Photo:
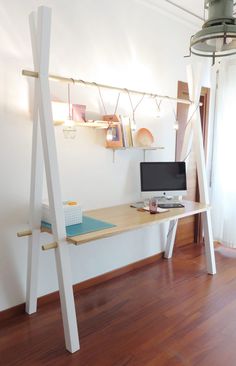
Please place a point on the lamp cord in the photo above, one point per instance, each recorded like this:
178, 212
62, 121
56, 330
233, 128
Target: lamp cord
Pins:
158, 104
102, 100
69, 104
117, 103
173, 110
131, 103
185, 158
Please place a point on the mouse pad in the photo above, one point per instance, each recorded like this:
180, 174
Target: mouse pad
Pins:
87, 226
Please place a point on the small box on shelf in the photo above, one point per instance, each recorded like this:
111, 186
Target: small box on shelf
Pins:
72, 212
114, 136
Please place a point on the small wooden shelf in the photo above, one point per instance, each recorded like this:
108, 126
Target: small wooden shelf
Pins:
142, 148
137, 148
96, 124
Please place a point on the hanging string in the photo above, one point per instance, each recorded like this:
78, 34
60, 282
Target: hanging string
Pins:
117, 103
195, 110
69, 104
158, 104
103, 103
134, 108
101, 98
175, 115
186, 157
110, 122
189, 120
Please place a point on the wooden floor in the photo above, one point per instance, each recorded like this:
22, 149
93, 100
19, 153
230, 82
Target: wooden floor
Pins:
169, 313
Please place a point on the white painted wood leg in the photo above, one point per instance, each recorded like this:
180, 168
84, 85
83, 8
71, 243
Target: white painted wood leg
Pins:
209, 243
36, 189
32, 273
34, 220
40, 37
67, 297
171, 238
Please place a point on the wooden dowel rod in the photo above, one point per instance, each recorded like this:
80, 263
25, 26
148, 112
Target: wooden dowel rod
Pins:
24, 233
49, 246
35, 74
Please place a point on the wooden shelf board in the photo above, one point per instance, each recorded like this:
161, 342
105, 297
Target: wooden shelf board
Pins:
95, 124
99, 125
137, 148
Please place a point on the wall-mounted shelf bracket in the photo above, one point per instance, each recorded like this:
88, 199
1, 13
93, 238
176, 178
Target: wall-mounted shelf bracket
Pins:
143, 148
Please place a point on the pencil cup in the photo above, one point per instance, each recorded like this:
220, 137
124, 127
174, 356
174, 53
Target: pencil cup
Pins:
153, 203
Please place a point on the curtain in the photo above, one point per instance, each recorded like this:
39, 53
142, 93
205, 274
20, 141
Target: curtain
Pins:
223, 181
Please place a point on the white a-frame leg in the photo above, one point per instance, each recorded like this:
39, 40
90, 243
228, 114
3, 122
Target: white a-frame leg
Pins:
44, 154
193, 137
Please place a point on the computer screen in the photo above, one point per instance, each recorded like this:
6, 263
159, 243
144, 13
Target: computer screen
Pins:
163, 178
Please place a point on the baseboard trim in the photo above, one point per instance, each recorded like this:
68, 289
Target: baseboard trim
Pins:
116, 272
54, 296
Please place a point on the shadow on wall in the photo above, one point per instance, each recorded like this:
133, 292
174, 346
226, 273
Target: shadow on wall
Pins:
13, 259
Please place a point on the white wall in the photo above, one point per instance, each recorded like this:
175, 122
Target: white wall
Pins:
126, 43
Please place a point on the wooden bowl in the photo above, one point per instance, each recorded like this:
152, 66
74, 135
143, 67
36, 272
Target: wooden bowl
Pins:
144, 137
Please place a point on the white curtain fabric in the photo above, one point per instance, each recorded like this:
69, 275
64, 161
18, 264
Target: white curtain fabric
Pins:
223, 186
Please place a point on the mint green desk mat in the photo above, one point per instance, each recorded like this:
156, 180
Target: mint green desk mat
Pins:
87, 226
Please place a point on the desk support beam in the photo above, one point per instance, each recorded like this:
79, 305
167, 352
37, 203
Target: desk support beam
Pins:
171, 238
209, 243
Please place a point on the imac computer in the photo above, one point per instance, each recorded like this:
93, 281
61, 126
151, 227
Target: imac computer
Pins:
164, 180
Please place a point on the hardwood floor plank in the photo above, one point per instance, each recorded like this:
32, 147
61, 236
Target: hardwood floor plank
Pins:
168, 313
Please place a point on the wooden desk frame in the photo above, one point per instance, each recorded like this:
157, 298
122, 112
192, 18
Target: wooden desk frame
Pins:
44, 153
126, 218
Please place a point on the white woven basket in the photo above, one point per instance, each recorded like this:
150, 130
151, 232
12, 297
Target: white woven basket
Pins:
73, 214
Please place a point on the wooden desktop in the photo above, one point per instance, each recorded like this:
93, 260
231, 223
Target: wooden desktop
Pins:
126, 218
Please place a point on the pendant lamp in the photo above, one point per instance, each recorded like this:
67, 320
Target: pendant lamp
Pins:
217, 38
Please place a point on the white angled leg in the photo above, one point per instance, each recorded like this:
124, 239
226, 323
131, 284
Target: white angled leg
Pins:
188, 138
32, 275
200, 159
170, 238
185, 151
209, 244
58, 224
53, 185
204, 196
67, 297
35, 220
194, 81
36, 189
